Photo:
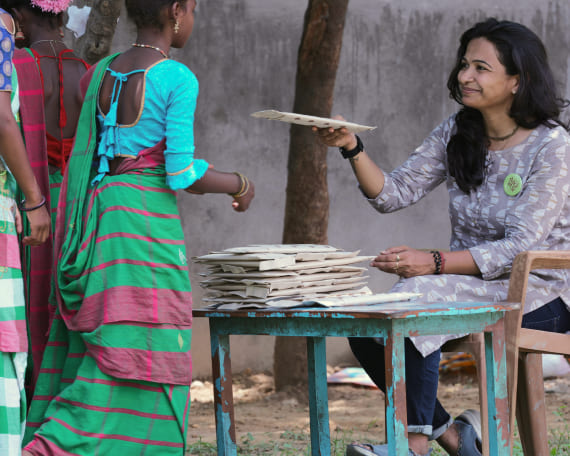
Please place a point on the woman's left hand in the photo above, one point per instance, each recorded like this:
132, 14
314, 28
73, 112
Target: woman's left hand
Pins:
404, 261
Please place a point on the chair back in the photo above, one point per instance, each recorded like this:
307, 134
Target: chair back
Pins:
523, 264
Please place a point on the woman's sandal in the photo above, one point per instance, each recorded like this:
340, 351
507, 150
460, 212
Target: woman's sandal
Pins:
367, 449
469, 428
362, 449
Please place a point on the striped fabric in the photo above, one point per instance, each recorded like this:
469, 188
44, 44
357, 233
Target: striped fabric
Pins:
55, 181
120, 343
87, 412
37, 261
12, 402
56, 147
13, 336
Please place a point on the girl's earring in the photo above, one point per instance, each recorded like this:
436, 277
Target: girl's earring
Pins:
61, 33
19, 35
176, 26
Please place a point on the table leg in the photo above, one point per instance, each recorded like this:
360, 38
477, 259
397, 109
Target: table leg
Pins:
223, 394
318, 396
396, 412
497, 392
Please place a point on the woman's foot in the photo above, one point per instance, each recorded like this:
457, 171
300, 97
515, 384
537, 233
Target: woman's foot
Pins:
367, 449
463, 437
472, 417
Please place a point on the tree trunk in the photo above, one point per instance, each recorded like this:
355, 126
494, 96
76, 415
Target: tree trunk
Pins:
96, 42
307, 203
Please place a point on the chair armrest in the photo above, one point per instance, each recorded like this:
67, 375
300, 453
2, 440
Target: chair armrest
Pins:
534, 341
528, 261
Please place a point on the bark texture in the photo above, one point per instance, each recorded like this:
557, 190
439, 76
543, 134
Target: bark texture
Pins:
307, 198
96, 42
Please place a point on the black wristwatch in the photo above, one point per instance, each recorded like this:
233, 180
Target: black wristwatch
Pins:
352, 152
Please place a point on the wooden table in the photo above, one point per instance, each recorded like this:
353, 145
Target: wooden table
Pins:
391, 322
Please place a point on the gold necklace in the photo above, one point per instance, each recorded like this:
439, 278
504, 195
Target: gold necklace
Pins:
504, 138
148, 46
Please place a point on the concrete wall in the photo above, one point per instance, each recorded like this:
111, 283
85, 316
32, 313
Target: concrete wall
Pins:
393, 70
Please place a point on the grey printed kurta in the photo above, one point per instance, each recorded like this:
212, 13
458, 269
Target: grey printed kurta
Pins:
492, 225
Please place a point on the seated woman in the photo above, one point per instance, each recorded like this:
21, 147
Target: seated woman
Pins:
504, 158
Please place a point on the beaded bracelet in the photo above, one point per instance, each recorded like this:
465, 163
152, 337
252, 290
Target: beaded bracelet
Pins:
244, 186
436, 260
23, 208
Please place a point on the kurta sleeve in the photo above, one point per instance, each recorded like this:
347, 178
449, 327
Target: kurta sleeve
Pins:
423, 171
7, 52
541, 207
182, 169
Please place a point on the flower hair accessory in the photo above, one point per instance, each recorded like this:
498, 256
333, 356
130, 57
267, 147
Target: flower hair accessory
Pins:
51, 6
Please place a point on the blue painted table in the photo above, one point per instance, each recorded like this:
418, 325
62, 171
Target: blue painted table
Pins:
391, 322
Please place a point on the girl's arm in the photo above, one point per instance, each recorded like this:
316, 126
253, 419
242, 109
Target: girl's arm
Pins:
14, 153
234, 184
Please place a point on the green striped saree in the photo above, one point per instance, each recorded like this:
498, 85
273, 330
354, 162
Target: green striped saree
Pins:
115, 377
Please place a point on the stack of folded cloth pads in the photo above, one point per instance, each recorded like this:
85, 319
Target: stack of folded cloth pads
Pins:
282, 275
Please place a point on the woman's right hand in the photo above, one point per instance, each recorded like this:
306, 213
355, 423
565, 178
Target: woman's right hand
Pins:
241, 203
340, 137
40, 225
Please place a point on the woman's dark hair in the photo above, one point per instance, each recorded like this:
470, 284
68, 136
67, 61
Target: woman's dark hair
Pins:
53, 19
535, 103
146, 13
19, 4
9, 4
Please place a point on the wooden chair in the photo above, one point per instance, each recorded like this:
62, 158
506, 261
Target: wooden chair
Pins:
527, 346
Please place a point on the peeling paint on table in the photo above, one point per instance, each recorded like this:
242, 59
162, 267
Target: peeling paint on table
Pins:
392, 322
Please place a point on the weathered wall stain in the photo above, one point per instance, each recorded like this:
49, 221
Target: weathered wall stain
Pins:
393, 72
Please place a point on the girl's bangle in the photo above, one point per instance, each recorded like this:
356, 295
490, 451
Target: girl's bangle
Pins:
244, 186
23, 208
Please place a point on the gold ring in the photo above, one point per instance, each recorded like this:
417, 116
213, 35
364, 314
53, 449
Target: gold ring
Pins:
397, 258
396, 268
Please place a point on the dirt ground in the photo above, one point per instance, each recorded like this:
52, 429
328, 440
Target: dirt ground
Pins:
263, 414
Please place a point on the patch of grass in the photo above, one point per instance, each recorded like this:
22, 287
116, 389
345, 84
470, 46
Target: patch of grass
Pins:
296, 443
202, 448
560, 439
290, 443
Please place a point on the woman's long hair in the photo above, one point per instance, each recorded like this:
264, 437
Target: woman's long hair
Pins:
535, 103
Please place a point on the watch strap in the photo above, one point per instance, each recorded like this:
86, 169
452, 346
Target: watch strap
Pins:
352, 152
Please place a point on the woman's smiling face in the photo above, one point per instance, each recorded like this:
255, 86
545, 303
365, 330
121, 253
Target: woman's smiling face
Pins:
483, 79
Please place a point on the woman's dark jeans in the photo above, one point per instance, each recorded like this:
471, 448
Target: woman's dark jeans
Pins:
425, 413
